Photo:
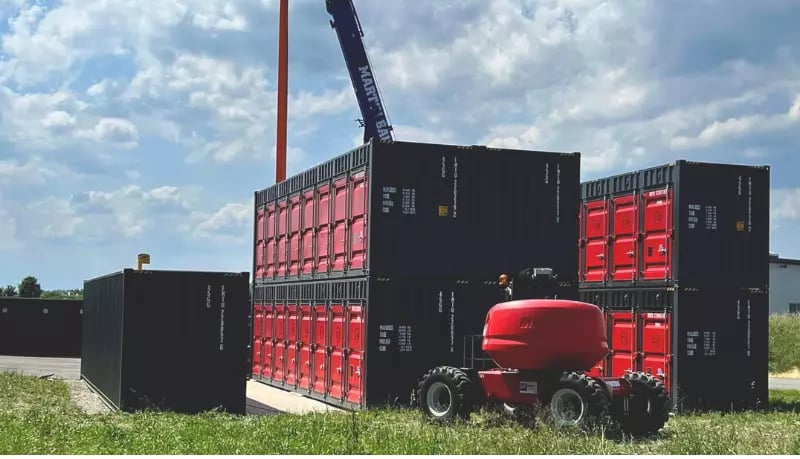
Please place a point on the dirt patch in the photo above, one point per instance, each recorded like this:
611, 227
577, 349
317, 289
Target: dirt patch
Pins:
86, 400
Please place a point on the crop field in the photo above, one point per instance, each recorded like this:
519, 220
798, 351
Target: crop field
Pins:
38, 417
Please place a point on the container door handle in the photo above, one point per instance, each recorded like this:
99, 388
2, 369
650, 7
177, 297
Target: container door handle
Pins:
600, 256
338, 369
629, 253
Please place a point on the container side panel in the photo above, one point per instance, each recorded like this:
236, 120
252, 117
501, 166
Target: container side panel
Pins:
39, 327
186, 340
101, 351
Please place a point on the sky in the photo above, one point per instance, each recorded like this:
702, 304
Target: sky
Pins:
131, 126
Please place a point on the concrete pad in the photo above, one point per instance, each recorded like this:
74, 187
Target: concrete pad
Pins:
264, 399
784, 383
58, 367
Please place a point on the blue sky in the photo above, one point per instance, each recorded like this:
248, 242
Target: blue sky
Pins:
135, 126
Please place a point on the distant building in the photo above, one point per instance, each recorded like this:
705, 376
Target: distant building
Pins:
784, 285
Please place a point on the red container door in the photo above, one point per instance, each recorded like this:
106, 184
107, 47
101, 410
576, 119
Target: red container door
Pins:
337, 326
304, 368
657, 235
291, 364
279, 374
624, 245
269, 341
323, 229
656, 345
355, 347
280, 323
258, 338
294, 236
283, 222
358, 231
269, 359
319, 377
307, 236
623, 342
339, 225
291, 323
596, 233
271, 244
336, 389
260, 244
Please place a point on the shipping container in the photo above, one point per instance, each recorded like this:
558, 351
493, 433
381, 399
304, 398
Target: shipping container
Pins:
362, 342
169, 340
684, 223
40, 327
392, 209
709, 346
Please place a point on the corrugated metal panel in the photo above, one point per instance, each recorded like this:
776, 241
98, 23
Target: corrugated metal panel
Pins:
40, 327
697, 223
412, 209
168, 339
710, 345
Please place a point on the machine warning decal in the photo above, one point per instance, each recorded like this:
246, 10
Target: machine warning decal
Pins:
443, 211
613, 383
528, 387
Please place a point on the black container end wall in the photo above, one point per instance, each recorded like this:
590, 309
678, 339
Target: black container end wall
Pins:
168, 339
40, 327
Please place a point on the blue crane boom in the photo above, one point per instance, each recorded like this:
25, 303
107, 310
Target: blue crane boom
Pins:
348, 29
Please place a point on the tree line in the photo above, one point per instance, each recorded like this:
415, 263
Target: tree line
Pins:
30, 288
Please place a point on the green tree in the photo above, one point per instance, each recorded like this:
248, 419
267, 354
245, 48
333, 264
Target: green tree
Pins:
10, 290
30, 288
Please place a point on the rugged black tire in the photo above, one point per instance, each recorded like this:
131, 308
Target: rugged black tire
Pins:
648, 407
596, 404
454, 384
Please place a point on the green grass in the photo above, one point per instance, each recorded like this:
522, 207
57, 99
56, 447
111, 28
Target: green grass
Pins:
784, 336
37, 417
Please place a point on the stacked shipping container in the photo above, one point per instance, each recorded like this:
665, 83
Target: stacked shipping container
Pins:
372, 267
677, 255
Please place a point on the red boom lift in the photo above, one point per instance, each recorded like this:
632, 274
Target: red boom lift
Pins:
542, 347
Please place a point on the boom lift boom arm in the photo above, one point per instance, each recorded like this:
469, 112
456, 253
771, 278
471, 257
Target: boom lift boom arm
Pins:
348, 29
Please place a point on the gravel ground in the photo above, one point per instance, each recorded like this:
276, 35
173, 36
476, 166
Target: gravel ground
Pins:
87, 400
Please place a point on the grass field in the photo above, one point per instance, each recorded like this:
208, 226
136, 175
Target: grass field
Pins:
38, 417
784, 352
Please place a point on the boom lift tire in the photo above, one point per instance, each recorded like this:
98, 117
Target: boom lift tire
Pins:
446, 394
579, 401
648, 406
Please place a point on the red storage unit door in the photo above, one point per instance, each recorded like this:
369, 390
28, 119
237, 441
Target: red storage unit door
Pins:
336, 389
624, 239
291, 364
283, 267
358, 226
323, 229
258, 336
355, 328
269, 359
279, 373
291, 323
321, 326
339, 225
355, 377
270, 268
658, 230
306, 324
294, 236
337, 326
596, 233
320, 374
283, 218
260, 244
623, 342
656, 345
304, 367
269, 322
307, 234
280, 323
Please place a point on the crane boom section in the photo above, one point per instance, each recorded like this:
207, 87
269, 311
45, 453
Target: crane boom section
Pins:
348, 30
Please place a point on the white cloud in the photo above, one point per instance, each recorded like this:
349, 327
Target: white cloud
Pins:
230, 221
785, 204
113, 130
8, 230
62, 220
34, 171
58, 119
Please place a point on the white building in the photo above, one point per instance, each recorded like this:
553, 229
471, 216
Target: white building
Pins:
784, 285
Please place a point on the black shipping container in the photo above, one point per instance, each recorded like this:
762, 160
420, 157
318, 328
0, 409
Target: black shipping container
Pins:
172, 340
365, 342
392, 209
40, 327
709, 344
686, 223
